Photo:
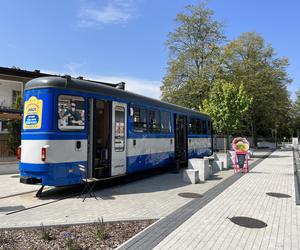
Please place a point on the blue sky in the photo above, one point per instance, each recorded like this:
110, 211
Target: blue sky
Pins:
124, 40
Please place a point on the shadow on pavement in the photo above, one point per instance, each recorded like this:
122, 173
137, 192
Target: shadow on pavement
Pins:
11, 208
106, 189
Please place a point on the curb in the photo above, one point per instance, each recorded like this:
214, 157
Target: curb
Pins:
296, 177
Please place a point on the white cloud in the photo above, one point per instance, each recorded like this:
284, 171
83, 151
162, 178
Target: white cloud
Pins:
139, 86
114, 11
145, 87
72, 68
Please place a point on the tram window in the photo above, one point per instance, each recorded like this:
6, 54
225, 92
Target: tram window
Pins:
200, 127
192, 126
139, 119
71, 113
119, 129
154, 122
165, 122
204, 127
197, 126
209, 127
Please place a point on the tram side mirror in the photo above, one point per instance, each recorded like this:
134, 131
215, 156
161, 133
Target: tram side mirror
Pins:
78, 144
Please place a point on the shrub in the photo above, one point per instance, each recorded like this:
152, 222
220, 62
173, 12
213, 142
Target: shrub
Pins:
100, 229
45, 234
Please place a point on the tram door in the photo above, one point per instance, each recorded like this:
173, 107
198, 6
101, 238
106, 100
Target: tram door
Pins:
180, 138
100, 138
119, 136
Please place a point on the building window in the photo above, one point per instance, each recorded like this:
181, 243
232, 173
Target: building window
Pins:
3, 126
15, 95
139, 119
71, 113
154, 122
165, 122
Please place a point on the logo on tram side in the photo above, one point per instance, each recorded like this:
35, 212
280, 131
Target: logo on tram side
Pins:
33, 113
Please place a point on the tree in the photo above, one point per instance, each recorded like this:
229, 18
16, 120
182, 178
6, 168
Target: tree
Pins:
249, 61
14, 128
194, 52
228, 105
295, 115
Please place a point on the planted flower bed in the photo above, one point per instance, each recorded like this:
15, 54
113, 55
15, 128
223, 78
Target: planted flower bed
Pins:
98, 235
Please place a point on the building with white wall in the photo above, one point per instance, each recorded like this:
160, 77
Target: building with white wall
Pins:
12, 81
9, 91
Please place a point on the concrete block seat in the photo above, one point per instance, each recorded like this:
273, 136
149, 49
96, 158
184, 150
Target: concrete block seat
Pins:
191, 176
220, 165
226, 160
212, 163
203, 167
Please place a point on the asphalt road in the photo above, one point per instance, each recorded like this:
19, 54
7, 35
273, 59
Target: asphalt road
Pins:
9, 168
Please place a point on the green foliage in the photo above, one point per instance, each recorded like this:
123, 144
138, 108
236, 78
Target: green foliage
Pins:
71, 244
228, 105
14, 129
45, 234
295, 115
14, 139
248, 60
100, 229
194, 51
198, 61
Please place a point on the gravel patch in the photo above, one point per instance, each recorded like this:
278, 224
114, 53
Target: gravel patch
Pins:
98, 235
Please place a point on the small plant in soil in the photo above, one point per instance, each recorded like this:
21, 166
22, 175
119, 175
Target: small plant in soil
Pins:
71, 243
45, 234
100, 229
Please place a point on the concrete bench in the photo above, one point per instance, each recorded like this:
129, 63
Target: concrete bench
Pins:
226, 158
202, 165
219, 165
191, 176
212, 163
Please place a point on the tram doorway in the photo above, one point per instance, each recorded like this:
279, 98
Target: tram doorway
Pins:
107, 138
101, 139
181, 145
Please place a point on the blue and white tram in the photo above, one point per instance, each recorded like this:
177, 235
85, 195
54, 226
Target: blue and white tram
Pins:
112, 132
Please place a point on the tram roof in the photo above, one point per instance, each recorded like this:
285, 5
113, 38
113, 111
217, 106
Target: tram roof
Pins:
94, 87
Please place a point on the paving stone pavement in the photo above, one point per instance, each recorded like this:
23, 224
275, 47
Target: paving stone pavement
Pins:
150, 198
211, 228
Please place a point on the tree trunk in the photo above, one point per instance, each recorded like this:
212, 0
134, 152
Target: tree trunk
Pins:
225, 144
253, 134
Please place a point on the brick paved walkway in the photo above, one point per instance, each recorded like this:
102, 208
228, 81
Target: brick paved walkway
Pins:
151, 198
210, 227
